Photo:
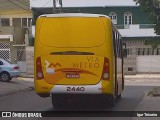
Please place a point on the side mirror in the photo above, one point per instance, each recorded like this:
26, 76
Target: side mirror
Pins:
124, 53
124, 50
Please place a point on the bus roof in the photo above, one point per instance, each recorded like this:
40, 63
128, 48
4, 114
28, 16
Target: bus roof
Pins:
73, 15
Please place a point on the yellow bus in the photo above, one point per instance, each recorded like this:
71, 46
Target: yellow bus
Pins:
77, 53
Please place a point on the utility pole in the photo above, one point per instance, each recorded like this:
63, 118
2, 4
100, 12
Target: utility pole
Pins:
54, 6
60, 4
57, 4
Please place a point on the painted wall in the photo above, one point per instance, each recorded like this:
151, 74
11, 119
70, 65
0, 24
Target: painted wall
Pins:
139, 17
17, 32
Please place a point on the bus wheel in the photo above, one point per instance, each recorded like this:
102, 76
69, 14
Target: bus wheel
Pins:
59, 102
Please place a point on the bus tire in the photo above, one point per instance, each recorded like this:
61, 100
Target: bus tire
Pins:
59, 102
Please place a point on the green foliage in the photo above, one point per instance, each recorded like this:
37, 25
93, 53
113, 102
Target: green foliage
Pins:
152, 8
155, 42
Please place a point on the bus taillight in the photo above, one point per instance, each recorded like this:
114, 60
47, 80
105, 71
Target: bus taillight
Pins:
105, 73
39, 72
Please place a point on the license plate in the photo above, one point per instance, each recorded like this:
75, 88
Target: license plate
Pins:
72, 75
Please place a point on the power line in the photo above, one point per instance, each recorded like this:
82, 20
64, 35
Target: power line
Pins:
38, 12
25, 3
46, 3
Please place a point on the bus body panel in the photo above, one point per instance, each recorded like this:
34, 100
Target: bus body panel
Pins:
72, 69
66, 72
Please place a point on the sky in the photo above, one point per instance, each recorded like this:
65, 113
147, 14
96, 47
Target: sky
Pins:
83, 3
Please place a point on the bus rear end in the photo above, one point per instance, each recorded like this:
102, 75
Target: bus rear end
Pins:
73, 55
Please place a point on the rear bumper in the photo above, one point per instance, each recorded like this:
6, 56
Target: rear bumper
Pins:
77, 89
103, 87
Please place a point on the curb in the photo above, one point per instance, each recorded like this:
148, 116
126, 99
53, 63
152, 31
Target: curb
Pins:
27, 76
155, 92
143, 76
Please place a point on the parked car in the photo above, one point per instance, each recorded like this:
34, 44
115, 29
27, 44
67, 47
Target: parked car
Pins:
8, 70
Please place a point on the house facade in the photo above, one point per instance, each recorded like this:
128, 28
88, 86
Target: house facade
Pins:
15, 19
136, 29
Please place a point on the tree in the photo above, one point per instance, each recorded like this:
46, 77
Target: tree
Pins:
155, 42
152, 8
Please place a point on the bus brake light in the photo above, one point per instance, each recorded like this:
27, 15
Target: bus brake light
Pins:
39, 72
105, 73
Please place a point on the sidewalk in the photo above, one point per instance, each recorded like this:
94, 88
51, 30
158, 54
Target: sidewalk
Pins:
143, 76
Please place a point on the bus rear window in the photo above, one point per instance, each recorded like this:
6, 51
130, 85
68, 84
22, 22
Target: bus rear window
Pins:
72, 32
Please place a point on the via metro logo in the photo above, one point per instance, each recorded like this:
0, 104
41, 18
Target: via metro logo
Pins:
49, 65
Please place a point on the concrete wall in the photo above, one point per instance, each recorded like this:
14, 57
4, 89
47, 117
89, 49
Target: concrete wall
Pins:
30, 60
130, 63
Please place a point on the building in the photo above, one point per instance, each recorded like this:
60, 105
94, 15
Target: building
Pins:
136, 29
15, 19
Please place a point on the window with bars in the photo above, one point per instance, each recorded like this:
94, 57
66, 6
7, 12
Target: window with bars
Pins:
29, 22
21, 54
4, 21
113, 17
22, 22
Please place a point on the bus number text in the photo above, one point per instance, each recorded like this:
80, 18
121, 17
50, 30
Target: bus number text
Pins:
75, 89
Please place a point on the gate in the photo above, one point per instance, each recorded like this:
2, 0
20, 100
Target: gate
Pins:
21, 58
148, 64
5, 51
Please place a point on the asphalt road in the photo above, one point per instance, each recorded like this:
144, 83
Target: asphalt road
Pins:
29, 101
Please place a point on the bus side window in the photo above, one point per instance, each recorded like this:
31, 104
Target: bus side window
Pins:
120, 48
114, 42
124, 50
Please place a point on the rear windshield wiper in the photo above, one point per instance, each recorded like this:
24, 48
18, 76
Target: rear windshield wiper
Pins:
72, 53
